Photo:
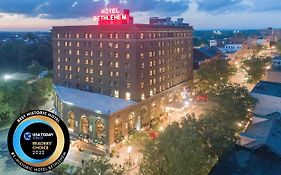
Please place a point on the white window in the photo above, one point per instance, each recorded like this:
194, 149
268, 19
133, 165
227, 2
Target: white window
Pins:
116, 93
128, 96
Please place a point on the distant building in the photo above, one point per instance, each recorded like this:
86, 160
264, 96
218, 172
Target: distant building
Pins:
274, 74
273, 34
205, 54
231, 48
213, 43
258, 152
268, 95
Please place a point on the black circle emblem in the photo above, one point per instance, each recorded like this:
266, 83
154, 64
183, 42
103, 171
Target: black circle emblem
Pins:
38, 141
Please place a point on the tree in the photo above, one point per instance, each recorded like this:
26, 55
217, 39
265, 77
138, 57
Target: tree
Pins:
213, 73
255, 68
178, 150
5, 110
98, 166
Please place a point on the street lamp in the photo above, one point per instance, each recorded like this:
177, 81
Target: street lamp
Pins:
129, 150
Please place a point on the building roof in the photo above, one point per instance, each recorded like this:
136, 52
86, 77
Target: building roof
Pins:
98, 103
244, 161
260, 156
274, 115
202, 53
266, 133
268, 88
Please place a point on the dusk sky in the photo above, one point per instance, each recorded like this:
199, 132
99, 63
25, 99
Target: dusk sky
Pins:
37, 15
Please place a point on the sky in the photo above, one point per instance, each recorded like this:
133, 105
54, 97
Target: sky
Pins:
41, 15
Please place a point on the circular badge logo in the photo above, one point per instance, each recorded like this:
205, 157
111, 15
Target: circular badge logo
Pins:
38, 141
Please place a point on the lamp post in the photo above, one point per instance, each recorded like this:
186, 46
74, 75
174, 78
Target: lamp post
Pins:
129, 150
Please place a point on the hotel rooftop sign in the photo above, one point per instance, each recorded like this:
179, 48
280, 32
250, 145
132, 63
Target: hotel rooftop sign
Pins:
109, 16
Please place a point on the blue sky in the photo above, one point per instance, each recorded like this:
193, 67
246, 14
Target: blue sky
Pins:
202, 14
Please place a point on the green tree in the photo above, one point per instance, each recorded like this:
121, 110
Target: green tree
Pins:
177, 151
5, 110
213, 73
99, 166
255, 68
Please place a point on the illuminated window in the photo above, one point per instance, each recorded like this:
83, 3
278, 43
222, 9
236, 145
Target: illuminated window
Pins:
127, 55
69, 43
58, 43
127, 36
142, 96
101, 63
100, 44
128, 85
87, 70
65, 67
90, 35
58, 50
116, 65
92, 62
110, 35
58, 35
58, 59
141, 55
77, 44
116, 93
151, 92
77, 52
92, 79
128, 96
87, 79
101, 72
70, 68
116, 46
142, 85
86, 53
111, 73
78, 69
77, 35
58, 67
91, 71
86, 35
150, 54
116, 55
86, 61
150, 63
150, 72
116, 36
141, 36
142, 65
100, 36
78, 60
65, 43
100, 54
70, 76
110, 44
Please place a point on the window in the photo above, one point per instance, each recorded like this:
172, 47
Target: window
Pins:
101, 63
142, 85
78, 69
141, 55
127, 36
128, 85
116, 93
127, 46
116, 65
58, 51
128, 96
100, 36
110, 44
78, 60
116, 55
151, 92
141, 36
77, 52
77, 44
127, 55
58, 67
87, 79
142, 96
77, 35
58, 43
101, 72
58, 35
100, 44
116, 46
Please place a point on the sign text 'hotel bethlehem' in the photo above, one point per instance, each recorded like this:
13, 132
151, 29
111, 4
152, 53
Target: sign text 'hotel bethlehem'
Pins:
113, 16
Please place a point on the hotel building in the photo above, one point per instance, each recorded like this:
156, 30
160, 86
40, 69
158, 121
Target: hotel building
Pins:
114, 78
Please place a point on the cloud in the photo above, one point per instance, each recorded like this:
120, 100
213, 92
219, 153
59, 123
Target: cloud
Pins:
232, 6
58, 9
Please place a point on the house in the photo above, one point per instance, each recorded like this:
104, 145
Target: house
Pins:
258, 152
274, 73
268, 95
205, 54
